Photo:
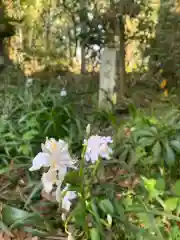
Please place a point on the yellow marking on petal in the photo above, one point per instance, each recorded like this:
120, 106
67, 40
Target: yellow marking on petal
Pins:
53, 145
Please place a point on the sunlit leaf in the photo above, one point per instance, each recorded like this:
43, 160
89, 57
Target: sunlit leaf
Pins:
176, 188
145, 220
150, 185
94, 233
106, 206
160, 184
171, 204
29, 135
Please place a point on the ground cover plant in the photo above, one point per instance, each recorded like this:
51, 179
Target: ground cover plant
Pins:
88, 183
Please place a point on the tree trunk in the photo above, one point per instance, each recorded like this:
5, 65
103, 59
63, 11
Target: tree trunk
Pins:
1, 55
83, 29
70, 49
122, 71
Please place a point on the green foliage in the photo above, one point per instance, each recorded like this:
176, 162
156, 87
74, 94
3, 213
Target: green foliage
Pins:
153, 138
143, 210
27, 119
105, 209
94, 234
31, 116
166, 38
151, 146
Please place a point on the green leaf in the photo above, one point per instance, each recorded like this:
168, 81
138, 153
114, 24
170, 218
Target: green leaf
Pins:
154, 130
28, 136
175, 233
171, 204
146, 141
106, 206
25, 149
11, 214
175, 145
96, 215
73, 178
94, 233
124, 155
127, 201
120, 210
176, 188
35, 232
169, 155
145, 219
150, 185
178, 209
16, 217
79, 214
160, 184
33, 193
144, 133
156, 150
132, 158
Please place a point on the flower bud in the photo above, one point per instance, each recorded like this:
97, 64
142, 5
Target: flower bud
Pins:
63, 93
109, 220
88, 129
70, 237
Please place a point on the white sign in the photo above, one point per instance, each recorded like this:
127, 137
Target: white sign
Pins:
107, 76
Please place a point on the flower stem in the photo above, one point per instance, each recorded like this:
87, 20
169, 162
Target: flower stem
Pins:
81, 170
82, 188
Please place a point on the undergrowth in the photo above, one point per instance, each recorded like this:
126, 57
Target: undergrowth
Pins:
133, 195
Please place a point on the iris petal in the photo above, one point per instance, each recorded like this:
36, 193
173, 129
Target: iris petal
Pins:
48, 180
41, 160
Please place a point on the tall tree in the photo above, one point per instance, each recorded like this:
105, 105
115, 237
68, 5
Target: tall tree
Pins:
83, 13
6, 30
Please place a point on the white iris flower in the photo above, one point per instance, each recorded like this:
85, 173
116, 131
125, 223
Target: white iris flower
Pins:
97, 146
67, 197
54, 155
